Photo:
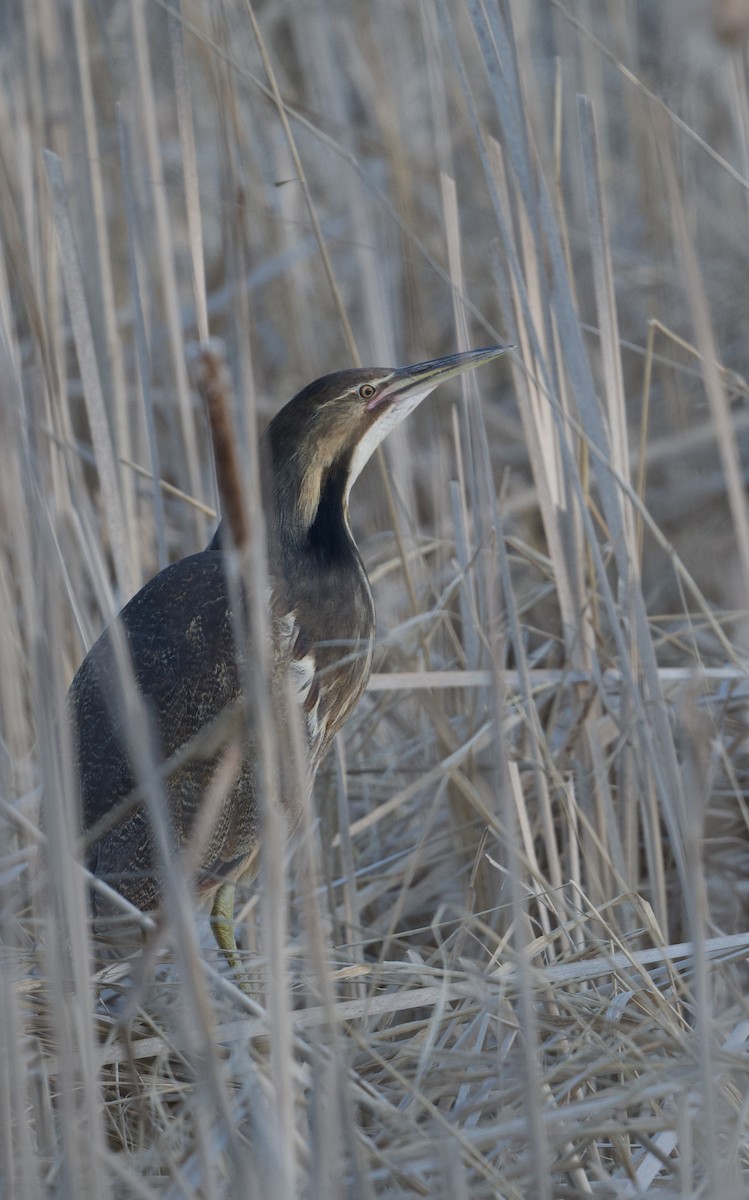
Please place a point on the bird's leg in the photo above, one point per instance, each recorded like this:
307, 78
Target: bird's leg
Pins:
222, 924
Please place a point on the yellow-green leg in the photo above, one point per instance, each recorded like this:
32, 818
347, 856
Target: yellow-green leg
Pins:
222, 923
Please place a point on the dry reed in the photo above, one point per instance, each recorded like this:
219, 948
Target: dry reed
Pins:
505, 955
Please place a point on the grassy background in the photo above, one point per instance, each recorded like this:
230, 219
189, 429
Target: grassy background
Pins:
505, 954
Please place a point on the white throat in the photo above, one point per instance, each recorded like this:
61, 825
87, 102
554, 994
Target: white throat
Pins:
378, 432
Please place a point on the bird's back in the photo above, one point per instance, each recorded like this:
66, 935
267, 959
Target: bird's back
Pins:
178, 633
180, 636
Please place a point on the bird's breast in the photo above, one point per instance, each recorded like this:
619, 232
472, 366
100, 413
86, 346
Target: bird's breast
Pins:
324, 645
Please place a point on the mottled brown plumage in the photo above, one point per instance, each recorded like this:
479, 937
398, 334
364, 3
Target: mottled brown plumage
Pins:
179, 633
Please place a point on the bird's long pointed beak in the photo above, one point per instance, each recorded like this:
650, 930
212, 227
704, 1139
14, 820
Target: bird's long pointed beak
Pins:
422, 378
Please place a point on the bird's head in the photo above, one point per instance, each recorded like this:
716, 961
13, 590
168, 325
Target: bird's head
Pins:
324, 436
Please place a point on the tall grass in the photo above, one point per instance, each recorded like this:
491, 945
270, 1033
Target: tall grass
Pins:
505, 953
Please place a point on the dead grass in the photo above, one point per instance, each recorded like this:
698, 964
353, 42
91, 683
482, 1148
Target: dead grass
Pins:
506, 954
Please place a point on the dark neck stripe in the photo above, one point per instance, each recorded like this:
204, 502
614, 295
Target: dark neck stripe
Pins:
328, 539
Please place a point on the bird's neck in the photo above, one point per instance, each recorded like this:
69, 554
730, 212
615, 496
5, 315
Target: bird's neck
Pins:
311, 510
313, 538
321, 567
317, 568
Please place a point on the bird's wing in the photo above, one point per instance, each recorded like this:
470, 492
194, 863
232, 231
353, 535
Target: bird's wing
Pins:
179, 634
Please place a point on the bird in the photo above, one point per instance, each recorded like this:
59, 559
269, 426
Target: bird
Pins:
180, 634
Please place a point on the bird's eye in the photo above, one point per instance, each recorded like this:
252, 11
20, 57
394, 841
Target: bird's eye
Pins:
367, 391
